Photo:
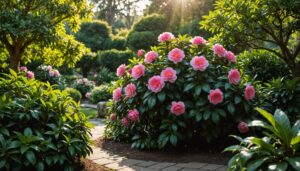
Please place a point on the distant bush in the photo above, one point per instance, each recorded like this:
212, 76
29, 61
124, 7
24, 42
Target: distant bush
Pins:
40, 128
104, 76
262, 65
122, 33
95, 35
118, 43
75, 94
86, 63
100, 93
111, 59
192, 29
84, 86
145, 31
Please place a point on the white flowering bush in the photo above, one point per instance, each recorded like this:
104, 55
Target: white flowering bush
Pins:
184, 88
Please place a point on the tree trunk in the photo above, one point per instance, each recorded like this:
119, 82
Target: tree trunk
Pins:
296, 70
15, 57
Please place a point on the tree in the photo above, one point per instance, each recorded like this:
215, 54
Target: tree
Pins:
34, 29
272, 25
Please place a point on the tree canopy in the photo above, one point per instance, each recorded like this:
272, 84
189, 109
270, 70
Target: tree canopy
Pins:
35, 30
272, 25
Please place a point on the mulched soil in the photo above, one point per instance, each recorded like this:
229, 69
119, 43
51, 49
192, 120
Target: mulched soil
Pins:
203, 154
88, 165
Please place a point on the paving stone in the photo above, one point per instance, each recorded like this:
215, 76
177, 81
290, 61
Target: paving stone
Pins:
146, 163
130, 162
98, 156
161, 165
103, 161
212, 167
137, 168
116, 166
171, 168
223, 168
191, 165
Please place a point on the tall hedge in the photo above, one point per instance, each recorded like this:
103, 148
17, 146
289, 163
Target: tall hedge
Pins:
113, 58
144, 32
95, 35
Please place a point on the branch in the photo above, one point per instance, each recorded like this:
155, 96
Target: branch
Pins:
267, 49
6, 43
297, 51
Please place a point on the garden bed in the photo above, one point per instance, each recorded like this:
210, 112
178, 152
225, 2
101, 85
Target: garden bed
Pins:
88, 165
181, 155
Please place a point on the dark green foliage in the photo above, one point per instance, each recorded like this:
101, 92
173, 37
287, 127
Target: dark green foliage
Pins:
105, 76
192, 29
100, 93
262, 65
277, 150
145, 32
118, 43
284, 94
42, 73
84, 86
86, 63
95, 35
112, 59
40, 127
75, 94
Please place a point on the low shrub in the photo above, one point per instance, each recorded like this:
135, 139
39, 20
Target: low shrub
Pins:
278, 150
100, 93
118, 43
111, 59
86, 63
84, 85
142, 40
40, 127
182, 89
104, 76
75, 94
262, 65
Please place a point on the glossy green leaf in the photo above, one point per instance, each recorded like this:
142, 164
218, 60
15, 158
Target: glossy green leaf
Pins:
161, 96
173, 140
267, 115
30, 157
282, 166
294, 162
255, 164
231, 108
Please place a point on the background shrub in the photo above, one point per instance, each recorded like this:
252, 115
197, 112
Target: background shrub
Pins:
157, 127
86, 63
118, 43
144, 32
262, 65
111, 59
192, 28
100, 93
39, 127
75, 94
104, 76
84, 85
95, 35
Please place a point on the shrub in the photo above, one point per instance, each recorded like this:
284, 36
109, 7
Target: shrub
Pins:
95, 35
86, 63
104, 76
262, 65
118, 43
84, 85
75, 94
39, 127
122, 32
111, 59
100, 93
164, 100
284, 94
278, 150
192, 29
145, 31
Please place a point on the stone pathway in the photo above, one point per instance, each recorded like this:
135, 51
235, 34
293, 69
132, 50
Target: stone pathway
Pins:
119, 163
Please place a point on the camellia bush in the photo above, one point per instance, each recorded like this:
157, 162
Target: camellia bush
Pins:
41, 128
182, 89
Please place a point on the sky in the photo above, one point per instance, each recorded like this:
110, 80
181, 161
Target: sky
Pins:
142, 4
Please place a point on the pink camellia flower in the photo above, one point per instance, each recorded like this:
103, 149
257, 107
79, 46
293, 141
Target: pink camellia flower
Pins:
243, 127
130, 90
177, 108
29, 74
138, 71
140, 52
156, 84
49, 68
176, 55
130, 70
215, 96
219, 50
197, 40
113, 117
230, 56
23, 68
249, 92
151, 56
234, 76
168, 74
125, 122
87, 95
51, 73
121, 70
166, 36
56, 73
117, 94
133, 115
199, 63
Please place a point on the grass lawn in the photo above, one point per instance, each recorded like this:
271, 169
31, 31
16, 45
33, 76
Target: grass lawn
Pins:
89, 112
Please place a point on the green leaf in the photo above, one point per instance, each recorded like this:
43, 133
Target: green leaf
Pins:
198, 117
231, 108
261, 143
200, 102
266, 115
28, 132
30, 157
295, 140
174, 127
2, 163
294, 162
206, 87
14, 144
221, 112
237, 100
188, 87
173, 139
215, 117
283, 126
198, 90
233, 148
259, 123
71, 150
161, 96
206, 114
40, 166
282, 166
151, 102
255, 164
296, 128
